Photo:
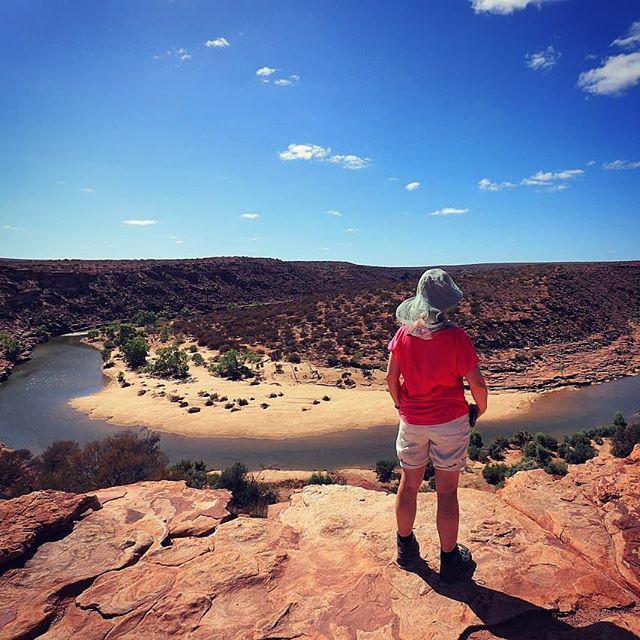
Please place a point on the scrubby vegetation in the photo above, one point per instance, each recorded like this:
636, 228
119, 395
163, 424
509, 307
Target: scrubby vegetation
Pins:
121, 459
170, 362
543, 451
232, 364
9, 347
318, 477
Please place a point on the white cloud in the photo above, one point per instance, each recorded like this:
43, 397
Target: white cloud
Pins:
547, 177
304, 152
265, 72
323, 154
287, 82
394, 179
332, 212
88, 190
543, 60
504, 7
486, 185
139, 223
616, 73
412, 186
350, 230
181, 54
613, 77
619, 165
217, 43
631, 40
179, 241
254, 238
448, 211
550, 180
350, 161
11, 227
249, 215
591, 163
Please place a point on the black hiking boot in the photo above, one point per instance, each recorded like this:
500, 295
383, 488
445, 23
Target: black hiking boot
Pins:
408, 550
454, 563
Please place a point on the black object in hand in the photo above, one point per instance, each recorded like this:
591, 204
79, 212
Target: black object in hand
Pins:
473, 414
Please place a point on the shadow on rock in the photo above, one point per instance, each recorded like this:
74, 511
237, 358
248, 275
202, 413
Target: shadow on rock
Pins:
506, 616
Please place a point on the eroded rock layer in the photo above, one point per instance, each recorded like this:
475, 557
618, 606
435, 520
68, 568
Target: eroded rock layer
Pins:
556, 559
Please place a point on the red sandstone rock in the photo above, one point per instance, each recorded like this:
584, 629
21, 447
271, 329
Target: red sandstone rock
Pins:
26, 520
160, 560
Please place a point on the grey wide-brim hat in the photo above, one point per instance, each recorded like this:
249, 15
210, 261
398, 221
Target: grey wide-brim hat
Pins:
435, 294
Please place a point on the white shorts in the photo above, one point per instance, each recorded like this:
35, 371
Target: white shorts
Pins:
446, 444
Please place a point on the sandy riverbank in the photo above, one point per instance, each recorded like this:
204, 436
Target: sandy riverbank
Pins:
291, 414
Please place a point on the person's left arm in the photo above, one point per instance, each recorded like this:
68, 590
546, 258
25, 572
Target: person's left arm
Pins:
393, 379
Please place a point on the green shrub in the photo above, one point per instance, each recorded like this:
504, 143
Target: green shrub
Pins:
385, 470
625, 436
530, 449
197, 359
125, 332
547, 441
194, 473
543, 455
170, 362
135, 352
526, 464
317, 477
232, 365
9, 346
577, 448
123, 458
520, 438
475, 438
495, 473
556, 468
294, 358
473, 452
248, 494
497, 446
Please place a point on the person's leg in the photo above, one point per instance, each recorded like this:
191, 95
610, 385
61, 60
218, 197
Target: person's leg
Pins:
406, 498
448, 513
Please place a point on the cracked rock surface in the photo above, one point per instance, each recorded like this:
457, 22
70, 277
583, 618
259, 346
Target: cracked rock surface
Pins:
556, 559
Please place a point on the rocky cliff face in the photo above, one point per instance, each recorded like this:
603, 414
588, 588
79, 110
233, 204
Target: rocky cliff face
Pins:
556, 559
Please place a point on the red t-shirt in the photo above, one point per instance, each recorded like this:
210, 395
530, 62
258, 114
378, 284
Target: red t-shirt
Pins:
432, 390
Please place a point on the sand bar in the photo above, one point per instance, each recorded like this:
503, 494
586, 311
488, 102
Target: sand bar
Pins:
291, 415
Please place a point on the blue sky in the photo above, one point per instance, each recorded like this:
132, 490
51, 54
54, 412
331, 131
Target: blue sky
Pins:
389, 133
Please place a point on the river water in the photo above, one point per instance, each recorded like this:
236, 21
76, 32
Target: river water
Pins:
34, 412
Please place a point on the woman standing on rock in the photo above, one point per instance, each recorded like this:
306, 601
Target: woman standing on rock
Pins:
433, 356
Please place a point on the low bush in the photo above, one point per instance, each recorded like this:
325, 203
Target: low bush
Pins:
495, 473
317, 477
135, 352
556, 468
170, 362
385, 470
625, 436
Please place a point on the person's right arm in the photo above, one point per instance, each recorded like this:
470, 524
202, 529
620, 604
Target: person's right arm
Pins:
478, 388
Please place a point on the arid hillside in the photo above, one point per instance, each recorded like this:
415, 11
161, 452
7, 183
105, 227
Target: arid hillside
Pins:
558, 323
